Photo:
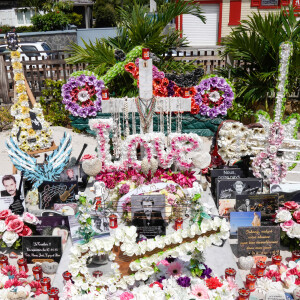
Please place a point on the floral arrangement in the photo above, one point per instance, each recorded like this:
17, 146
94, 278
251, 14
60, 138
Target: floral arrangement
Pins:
289, 218
125, 238
27, 138
284, 278
82, 95
214, 95
266, 164
16, 285
13, 227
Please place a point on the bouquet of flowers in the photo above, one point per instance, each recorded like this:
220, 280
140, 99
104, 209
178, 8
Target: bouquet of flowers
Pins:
13, 227
289, 218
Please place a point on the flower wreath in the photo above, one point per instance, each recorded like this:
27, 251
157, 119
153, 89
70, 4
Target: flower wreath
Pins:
214, 95
82, 95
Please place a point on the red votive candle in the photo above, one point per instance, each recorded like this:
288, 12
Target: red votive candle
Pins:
295, 255
178, 223
244, 294
113, 221
97, 201
67, 276
53, 293
276, 260
97, 274
230, 272
186, 93
145, 53
260, 268
22, 263
3, 261
250, 282
37, 272
105, 94
46, 284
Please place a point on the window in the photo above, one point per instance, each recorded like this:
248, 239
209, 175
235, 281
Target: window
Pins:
235, 12
269, 3
30, 49
24, 16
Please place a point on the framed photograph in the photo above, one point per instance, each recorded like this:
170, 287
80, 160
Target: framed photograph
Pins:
9, 185
229, 188
266, 204
244, 219
51, 192
66, 209
70, 174
148, 214
226, 206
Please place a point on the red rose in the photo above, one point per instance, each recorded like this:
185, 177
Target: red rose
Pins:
296, 216
156, 283
26, 231
4, 214
291, 205
130, 67
15, 225
213, 283
10, 218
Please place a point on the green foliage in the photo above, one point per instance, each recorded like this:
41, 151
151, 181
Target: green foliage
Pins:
51, 102
57, 20
74, 18
105, 14
239, 112
6, 118
256, 42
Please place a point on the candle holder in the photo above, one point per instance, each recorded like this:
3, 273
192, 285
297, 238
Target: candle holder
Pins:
250, 282
295, 255
53, 293
178, 223
113, 221
3, 261
145, 53
230, 272
37, 272
244, 294
97, 273
22, 263
46, 284
260, 268
97, 201
105, 94
186, 93
276, 260
66, 276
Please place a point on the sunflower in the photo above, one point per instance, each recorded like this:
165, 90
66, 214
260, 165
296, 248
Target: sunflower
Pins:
23, 97
15, 54
17, 65
20, 88
25, 110
27, 121
31, 132
19, 76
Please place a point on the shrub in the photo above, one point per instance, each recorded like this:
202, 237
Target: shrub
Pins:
51, 102
6, 118
75, 18
105, 15
51, 21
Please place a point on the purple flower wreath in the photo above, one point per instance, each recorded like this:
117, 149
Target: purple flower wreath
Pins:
82, 95
214, 95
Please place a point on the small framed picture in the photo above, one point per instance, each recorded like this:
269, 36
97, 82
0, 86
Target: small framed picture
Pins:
148, 215
70, 174
243, 219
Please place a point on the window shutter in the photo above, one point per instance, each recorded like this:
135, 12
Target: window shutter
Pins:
255, 3
235, 12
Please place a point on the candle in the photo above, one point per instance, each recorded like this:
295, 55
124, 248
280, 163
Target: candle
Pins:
295, 255
97, 201
22, 263
3, 261
178, 223
97, 274
113, 221
37, 272
260, 268
105, 94
53, 293
67, 276
244, 294
250, 282
230, 272
276, 260
186, 93
145, 53
46, 284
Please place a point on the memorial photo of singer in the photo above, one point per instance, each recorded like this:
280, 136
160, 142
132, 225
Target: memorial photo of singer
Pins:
148, 213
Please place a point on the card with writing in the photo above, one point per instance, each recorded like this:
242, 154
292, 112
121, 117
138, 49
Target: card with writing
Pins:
267, 204
42, 248
57, 192
258, 240
243, 219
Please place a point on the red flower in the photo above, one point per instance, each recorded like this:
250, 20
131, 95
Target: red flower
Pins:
15, 225
4, 214
36, 287
26, 231
9, 270
21, 274
193, 91
12, 282
160, 91
273, 275
213, 283
291, 205
130, 67
11, 218
165, 82
195, 108
296, 216
157, 82
135, 74
156, 283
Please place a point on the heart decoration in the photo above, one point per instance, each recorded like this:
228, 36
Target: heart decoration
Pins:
246, 262
49, 267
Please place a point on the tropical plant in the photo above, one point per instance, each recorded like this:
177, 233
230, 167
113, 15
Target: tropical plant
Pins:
256, 42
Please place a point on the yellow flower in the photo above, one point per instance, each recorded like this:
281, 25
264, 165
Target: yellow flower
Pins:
15, 54
27, 121
25, 110
19, 76
31, 132
20, 88
17, 65
23, 97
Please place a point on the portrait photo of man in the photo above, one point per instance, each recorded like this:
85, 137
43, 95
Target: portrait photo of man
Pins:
10, 185
70, 174
245, 207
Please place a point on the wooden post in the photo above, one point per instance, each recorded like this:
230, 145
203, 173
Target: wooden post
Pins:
4, 86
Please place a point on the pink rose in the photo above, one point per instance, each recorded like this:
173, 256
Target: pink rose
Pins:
296, 216
15, 225
126, 296
30, 218
286, 226
4, 214
26, 231
11, 218
291, 205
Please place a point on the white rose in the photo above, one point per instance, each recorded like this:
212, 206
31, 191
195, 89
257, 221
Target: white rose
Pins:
9, 237
283, 216
2, 226
294, 232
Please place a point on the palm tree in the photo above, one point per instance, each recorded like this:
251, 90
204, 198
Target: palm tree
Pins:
256, 42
